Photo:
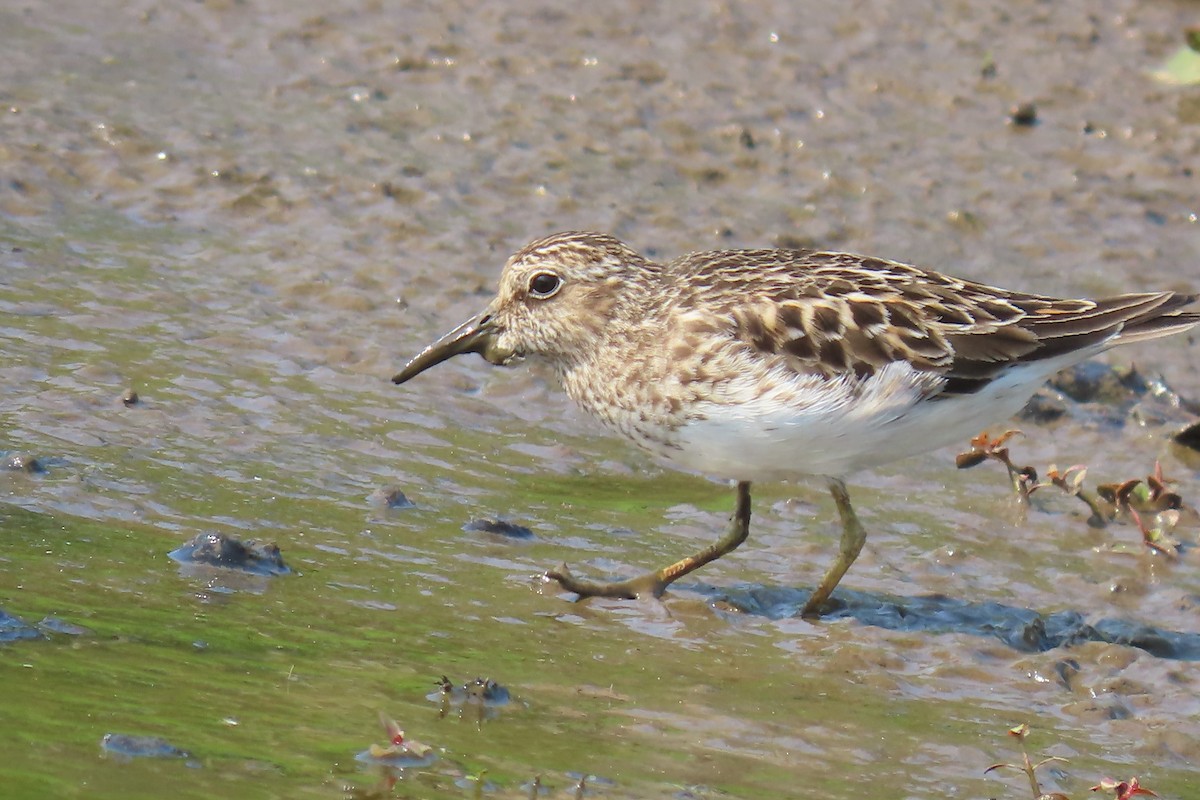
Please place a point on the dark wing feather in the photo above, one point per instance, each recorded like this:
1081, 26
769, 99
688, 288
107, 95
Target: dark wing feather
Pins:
838, 314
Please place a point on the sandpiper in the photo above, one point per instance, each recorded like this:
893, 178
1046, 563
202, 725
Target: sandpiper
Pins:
764, 365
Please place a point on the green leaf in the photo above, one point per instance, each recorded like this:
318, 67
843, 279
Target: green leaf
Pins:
1183, 68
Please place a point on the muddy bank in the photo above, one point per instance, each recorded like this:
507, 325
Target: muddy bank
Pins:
244, 216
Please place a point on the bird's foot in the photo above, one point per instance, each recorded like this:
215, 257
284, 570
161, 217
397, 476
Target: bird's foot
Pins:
816, 606
651, 584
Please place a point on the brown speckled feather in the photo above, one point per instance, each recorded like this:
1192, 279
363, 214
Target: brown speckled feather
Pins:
836, 313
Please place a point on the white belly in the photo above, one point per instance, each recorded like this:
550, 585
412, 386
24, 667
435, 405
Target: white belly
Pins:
834, 429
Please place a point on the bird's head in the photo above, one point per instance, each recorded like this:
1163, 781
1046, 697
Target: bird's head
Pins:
559, 297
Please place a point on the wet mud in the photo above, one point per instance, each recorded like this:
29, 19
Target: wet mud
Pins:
224, 226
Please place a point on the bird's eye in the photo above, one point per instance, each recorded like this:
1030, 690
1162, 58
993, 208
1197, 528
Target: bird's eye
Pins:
544, 285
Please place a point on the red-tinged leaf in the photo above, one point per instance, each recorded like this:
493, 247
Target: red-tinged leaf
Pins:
417, 749
379, 751
1157, 539
1126, 490
1158, 474
1004, 437
1156, 487
1168, 501
394, 734
1019, 731
1123, 789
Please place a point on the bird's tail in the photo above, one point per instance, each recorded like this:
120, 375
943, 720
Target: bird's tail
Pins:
1163, 318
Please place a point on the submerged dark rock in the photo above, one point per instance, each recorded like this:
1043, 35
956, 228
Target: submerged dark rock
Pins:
499, 527
480, 690
1097, 382
1022, 629
140, 746
1044, 407
14, 628
61, 626
1109, 395
390, 497
219, 550
22, 462
1189, 437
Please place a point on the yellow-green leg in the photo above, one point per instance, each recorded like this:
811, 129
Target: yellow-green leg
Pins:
853, 538
656, 582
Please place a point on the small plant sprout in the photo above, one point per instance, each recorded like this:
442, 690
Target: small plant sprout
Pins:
398, 745
394, 734
984, 448
1135, 498
1070, 482
477, 782
1123, 790
1030, 769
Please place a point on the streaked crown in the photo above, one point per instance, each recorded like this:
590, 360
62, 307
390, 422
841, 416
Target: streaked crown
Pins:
561, 294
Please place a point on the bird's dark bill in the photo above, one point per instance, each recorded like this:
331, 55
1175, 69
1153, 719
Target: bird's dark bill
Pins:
473, 336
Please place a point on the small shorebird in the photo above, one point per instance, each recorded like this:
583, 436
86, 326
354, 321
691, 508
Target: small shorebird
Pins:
762, 365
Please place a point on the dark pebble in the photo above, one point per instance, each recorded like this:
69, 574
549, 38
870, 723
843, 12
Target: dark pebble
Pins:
1032, 636
499, 527
1025, 115
1189, 437
390, 498
23, 462
1045, 406
1066, 669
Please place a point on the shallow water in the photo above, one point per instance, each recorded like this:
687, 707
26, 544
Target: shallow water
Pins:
252, 214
